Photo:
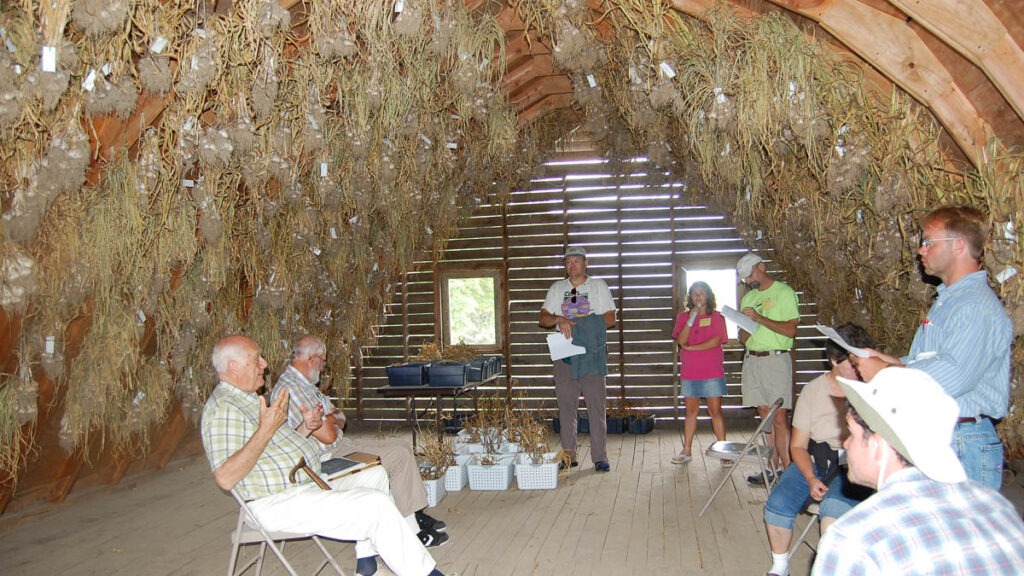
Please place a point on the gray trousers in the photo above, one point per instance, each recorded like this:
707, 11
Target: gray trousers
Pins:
595, 395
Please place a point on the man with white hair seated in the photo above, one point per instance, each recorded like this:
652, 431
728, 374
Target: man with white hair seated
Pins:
927, 517
251, 449
300, 379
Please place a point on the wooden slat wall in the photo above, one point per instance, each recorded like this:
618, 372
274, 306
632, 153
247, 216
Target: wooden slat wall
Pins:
636, 237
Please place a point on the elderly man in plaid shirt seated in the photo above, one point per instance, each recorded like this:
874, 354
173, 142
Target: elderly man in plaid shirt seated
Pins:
251, 451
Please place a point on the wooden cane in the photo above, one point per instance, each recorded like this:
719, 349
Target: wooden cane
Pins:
301, 465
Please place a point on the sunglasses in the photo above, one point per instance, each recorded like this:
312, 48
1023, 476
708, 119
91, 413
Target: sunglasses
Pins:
573, 292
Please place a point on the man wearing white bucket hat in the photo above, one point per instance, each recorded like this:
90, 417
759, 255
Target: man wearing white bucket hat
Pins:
927, 517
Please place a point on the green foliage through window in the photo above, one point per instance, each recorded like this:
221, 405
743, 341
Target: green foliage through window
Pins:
471, 314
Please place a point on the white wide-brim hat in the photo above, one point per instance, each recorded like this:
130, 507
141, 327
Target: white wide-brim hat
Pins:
914, 414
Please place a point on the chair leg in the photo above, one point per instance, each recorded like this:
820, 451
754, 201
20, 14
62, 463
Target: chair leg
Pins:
803, 535
234, 548
279, 552
328, 559
725, 478
260, 558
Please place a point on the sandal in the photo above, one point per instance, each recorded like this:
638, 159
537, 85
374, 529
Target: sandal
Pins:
681, 458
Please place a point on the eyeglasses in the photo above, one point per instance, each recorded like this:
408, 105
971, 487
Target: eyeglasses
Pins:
573, 292
928, 242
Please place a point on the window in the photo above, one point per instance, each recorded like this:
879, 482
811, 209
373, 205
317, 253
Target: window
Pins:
471, 309
723, 283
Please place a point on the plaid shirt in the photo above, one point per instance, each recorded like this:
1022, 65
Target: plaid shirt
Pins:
916, 525
230, 417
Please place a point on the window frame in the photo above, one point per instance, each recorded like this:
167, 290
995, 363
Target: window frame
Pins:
681, 281
442, 318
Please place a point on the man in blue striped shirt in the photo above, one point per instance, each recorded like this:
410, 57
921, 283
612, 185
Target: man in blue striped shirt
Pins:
964, 342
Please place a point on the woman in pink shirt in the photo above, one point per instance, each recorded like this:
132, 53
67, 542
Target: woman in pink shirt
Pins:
700, 333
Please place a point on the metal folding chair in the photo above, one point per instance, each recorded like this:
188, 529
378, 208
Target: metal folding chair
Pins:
757, 446
248, 530
812, 509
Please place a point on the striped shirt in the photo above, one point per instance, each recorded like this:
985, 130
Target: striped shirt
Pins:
230, 417
915, 525
964, 344
302, 394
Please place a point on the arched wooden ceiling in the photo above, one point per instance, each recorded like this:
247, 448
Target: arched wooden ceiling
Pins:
962, 59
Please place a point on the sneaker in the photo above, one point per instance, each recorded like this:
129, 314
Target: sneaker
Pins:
757, 480
681, 458
366, 566
432, 538
428, 522
603, 466
562, 466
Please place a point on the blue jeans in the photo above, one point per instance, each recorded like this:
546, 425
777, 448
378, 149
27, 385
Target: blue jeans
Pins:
789, 495
980, 451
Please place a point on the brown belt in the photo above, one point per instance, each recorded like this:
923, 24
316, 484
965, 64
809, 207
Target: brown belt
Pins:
971, 419
763, 353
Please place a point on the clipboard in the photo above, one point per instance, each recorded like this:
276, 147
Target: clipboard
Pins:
353, 463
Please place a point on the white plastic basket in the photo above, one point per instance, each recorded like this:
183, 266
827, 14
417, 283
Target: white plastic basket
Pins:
435, 491
469, 448
510, 448
531, 476
455, 478
494, 477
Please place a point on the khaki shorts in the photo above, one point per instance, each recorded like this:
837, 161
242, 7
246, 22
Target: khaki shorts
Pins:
767, 378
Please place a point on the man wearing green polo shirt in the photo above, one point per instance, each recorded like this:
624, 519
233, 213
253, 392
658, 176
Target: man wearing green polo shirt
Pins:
767, 364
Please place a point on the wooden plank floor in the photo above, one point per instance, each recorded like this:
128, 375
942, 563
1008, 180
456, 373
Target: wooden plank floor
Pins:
639, 518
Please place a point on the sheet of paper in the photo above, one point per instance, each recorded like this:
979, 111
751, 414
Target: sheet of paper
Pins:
562, 347
741, 320
835, 337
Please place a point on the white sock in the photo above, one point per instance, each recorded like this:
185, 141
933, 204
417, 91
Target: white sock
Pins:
780, 564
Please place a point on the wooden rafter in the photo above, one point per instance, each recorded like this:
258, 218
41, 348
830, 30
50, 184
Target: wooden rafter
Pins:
977, 34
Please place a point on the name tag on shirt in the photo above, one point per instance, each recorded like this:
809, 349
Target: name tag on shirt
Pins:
704, 322
925, 355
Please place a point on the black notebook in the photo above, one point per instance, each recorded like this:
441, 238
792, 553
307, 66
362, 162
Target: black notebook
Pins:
335, 466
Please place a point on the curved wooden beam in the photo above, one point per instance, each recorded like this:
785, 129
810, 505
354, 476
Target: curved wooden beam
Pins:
885, 42
977, 34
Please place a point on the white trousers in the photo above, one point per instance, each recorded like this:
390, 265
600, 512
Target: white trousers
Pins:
362, 514
398, 461
375, 478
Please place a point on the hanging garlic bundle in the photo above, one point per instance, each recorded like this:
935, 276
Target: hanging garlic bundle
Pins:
26, 395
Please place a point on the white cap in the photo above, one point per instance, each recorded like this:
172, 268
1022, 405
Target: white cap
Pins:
575, 251
914, 415
746, 264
